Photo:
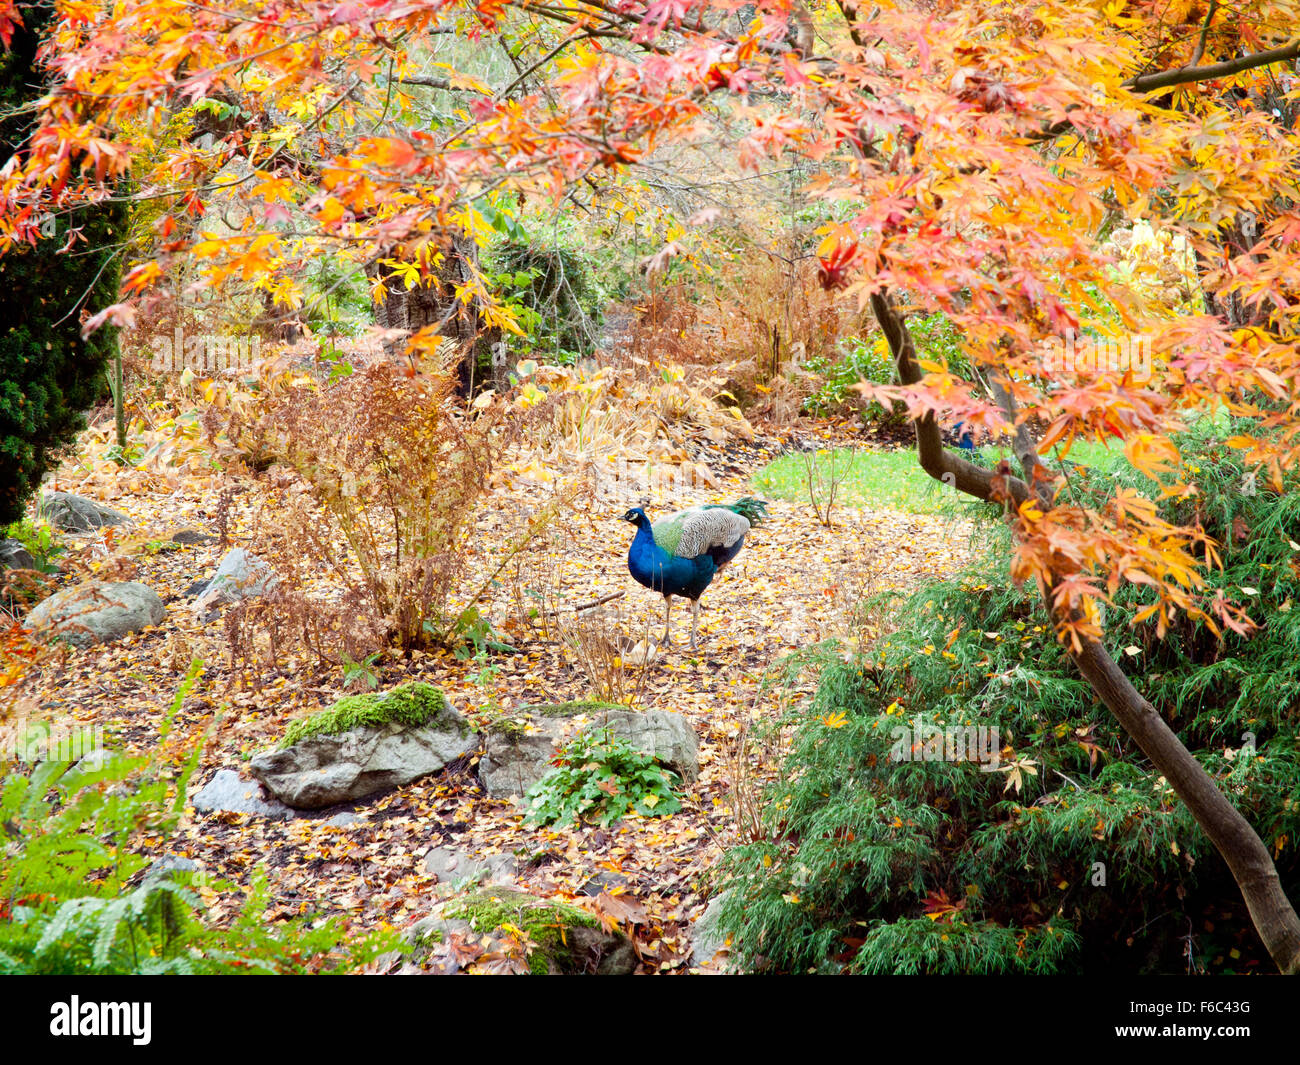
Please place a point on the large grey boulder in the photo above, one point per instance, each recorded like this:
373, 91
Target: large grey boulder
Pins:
513, 763
239, 576
324, 769
228, 792
664, 735
77, 514
96, 612
517, 757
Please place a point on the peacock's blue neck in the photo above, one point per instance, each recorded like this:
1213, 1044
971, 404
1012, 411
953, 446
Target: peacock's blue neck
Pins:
644, 551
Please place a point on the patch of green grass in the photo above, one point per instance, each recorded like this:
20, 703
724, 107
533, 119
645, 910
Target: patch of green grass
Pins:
895, 478
1106, 458
875, 478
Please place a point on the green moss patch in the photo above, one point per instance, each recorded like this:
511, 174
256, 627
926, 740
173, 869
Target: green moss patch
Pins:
544, 920
413, 704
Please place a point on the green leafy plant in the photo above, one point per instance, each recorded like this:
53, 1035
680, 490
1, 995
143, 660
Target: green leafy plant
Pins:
361, 673
477, 637
554, 294
157, 547
864, 361
39, 539
72, 900
868, 359
598, 779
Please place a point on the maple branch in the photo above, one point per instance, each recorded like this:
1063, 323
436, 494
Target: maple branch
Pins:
1022, 444
849, 9
503, 93
1205, 32
988, 485
1190, 73
1232, 835
431, 82
1179, 76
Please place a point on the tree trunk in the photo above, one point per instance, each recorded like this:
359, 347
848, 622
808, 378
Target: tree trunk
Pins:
1232, 835
1247, 857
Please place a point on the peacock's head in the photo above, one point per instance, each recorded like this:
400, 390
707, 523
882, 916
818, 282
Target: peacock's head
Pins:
636, 516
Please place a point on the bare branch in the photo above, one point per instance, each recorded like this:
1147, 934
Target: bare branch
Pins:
1187, 74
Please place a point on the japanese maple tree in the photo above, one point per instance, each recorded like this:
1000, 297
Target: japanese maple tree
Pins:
970, 157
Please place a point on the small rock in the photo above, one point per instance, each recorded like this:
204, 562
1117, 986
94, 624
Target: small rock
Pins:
605, 880
192, 536
94, 761
96, 612
14, 556
513, 764
227, 792
706, 939
168, 864
450, 866
240, 576
76, 514
343, 820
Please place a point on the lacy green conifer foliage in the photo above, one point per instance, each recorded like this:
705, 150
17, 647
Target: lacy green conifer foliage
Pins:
1071, 853
49, 375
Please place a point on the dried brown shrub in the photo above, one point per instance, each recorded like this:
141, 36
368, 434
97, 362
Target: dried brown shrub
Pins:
613, 648
752, 325
397, 467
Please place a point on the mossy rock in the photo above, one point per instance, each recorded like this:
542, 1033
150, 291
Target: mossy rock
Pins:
414, 703
365, 744
572, 708
514, 723
568, 940
520, 753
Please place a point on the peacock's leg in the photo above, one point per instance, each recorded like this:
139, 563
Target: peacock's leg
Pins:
695, 620
667, 614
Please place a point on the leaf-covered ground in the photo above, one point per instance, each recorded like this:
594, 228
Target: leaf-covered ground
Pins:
790, 586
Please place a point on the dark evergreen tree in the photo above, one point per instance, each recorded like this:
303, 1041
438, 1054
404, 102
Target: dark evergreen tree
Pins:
49, 375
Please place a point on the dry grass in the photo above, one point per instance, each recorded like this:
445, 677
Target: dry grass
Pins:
749, 328
612, 648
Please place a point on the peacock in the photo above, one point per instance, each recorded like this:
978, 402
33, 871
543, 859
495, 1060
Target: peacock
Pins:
679, 554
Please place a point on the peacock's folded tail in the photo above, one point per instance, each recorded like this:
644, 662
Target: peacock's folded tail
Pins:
749, 507
703, 529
